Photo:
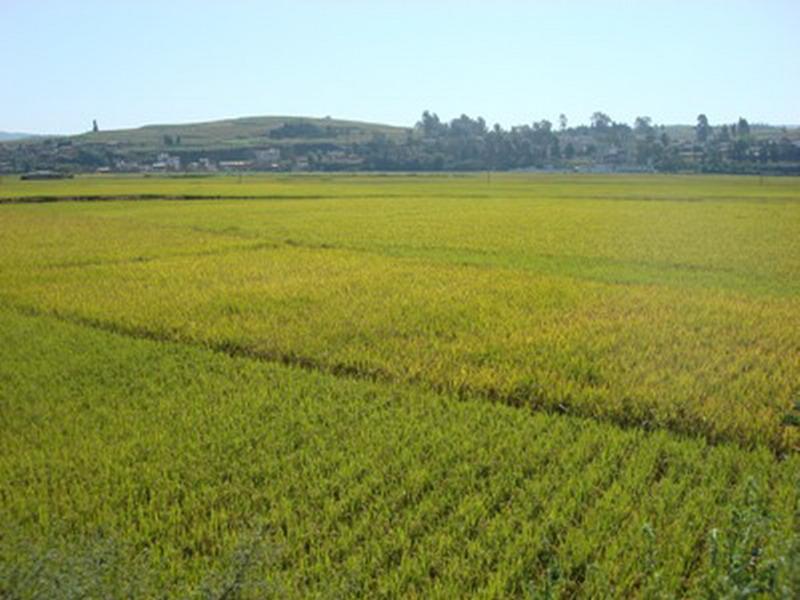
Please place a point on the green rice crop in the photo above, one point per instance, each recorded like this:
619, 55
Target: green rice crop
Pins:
138, 468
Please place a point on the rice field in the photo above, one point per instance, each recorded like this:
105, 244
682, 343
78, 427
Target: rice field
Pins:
517, 385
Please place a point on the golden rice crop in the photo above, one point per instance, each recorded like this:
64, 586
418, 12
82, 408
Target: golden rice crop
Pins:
416, 386
648, 301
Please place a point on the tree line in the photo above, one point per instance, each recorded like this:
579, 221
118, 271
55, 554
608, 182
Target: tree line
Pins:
465, 143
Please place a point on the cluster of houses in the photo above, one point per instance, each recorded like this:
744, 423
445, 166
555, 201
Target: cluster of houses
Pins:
269, 159
64, 156
165, 162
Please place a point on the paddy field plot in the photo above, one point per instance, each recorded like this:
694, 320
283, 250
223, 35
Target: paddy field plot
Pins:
404, 385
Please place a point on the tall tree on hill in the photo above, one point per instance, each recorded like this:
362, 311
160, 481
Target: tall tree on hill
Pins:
743, 127
562, 122
95, 128
644, 126
430, 125
600, 120
702, 129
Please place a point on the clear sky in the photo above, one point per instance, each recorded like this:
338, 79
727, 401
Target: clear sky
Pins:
128, 63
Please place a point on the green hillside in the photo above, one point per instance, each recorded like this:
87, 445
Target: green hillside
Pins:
242, 132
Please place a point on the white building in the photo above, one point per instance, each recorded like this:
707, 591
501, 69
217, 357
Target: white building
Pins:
168, 162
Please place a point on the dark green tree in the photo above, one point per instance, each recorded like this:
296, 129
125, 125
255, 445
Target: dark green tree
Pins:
702, 129
430, 125
643, 125
743, 127
600, 120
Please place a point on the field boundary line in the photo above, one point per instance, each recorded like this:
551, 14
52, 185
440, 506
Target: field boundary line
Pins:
188, 197
518, 399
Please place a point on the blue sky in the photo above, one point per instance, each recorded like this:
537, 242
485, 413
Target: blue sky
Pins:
129, 63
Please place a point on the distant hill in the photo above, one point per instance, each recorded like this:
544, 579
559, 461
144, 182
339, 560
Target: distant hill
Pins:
256, 132
9, 136
241, 133
286, 143
289, 141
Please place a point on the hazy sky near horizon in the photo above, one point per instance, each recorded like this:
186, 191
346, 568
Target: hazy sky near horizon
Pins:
129, 63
